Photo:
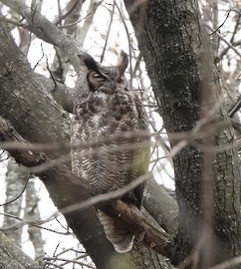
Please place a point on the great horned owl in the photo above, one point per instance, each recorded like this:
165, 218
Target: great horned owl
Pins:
111, 120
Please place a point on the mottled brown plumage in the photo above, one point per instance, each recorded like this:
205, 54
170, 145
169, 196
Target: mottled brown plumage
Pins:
107, 113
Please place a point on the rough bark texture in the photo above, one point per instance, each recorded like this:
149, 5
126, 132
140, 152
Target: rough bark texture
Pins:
11, 257
176, 54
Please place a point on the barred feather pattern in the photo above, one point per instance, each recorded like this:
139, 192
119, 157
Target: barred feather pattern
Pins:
110, 120
121, 239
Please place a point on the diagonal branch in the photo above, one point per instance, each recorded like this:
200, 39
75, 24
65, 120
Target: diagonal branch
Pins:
13, 257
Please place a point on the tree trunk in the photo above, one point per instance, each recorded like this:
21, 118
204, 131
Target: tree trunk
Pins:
176, 51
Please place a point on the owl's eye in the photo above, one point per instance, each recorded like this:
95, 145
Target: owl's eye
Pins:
95, 77
99, 76
95, 80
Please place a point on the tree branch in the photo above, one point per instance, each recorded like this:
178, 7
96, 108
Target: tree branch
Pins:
62, 94
46, 31
13, 257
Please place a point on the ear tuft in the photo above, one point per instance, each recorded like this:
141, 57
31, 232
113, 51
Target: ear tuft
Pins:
123, 62
89, 61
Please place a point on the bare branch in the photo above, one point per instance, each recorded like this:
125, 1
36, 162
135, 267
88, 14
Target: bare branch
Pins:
15, 256
46, 31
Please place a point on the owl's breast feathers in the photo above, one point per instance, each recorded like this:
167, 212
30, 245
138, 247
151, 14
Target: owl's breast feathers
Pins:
117, 125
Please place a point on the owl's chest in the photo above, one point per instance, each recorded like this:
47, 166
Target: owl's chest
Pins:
103, 114
95, 112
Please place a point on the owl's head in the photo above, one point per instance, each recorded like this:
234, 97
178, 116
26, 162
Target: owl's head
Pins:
107, 79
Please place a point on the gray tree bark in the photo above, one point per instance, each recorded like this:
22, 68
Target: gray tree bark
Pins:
176, 51
11, 257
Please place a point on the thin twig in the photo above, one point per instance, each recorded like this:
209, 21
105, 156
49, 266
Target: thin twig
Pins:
69, 261
235, 108
92, 201
40, 58
108, 33
67, 13
221, 25
19, 195
129, 41
225, 41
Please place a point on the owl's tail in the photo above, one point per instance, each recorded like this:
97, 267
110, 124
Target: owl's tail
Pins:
116, 233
